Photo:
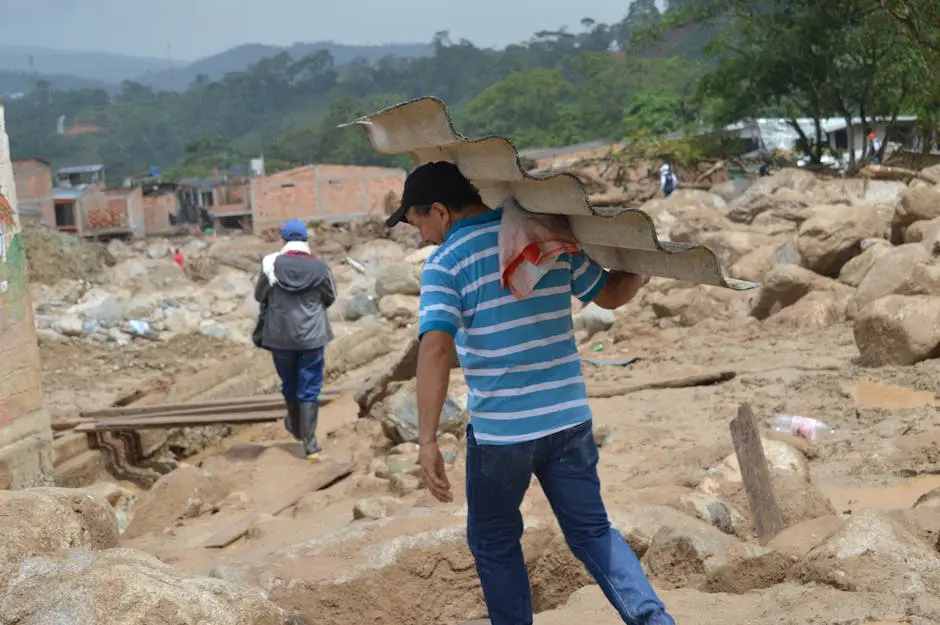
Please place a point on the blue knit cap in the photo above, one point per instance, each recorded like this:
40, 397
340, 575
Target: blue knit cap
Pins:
294, 230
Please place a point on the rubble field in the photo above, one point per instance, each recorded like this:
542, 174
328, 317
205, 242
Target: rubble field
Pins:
845, 329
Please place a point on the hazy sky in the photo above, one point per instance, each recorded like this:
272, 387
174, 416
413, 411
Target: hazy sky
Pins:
197, 28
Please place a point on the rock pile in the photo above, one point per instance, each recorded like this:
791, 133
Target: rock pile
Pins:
61, 556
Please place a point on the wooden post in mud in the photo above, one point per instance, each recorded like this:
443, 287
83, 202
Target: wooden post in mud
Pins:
755, 474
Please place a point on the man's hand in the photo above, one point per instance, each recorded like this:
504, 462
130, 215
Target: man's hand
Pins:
621, 287
434, 473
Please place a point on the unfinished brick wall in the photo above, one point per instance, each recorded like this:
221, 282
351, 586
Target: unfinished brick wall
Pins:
323, 193
157, 210
33, 179
25, 434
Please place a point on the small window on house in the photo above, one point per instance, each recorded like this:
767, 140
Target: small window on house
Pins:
64, 215
208, 199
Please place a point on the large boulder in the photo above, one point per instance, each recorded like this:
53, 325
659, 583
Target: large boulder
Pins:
127, 587
401, 416
697, 224
856, 269
39, 521
686, 554
375, 253
365, 344
817, 309
785, 285
925, 232
763, 210
731, 189
754, 265
691, 306
396, 278
887, 275
180, 494
918, 204
593, 319
899, 330
400, 308
857, 191
924, 280
873, 552
834, 234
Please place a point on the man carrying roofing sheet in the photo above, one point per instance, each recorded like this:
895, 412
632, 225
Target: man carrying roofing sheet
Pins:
528, 404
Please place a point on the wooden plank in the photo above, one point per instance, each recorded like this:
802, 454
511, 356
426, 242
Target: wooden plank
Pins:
702, 379
325, 473
755, 473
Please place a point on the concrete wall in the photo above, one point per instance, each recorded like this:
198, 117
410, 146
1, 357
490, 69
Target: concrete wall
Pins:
323, 193
157, 210
26, 457
34, 191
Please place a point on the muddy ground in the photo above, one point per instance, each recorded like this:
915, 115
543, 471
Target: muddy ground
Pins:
658, 444
860, 505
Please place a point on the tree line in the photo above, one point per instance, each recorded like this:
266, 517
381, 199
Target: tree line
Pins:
698, 63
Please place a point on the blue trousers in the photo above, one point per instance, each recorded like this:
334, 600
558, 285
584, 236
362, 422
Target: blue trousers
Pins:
565, 464
301, 374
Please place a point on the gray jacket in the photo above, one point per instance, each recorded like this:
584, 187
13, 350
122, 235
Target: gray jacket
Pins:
298, 287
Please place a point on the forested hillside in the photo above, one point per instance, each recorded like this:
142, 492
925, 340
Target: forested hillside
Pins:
703, 62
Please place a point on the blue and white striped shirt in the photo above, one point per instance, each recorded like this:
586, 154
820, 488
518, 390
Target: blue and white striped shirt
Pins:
519, 357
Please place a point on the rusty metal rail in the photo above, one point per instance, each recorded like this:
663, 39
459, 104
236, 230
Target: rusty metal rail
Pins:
236, 411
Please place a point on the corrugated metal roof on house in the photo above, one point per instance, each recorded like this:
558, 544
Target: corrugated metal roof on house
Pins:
69, 193
81, 169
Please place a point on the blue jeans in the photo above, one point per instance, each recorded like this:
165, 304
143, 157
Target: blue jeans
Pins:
566, 466
301, 374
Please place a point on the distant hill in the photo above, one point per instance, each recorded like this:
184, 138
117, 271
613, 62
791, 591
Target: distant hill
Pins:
239, 58
12, 83
91, 65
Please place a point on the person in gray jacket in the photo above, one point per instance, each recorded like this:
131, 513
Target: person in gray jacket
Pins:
295, 289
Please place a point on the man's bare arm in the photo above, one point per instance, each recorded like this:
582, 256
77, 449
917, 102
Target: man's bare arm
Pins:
434, 357
621, 287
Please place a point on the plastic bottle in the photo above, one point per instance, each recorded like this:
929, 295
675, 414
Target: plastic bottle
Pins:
804, 427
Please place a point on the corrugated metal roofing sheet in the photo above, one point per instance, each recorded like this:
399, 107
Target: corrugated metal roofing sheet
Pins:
81, 169
623, 239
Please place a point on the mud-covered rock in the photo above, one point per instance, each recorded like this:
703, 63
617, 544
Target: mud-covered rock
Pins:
402, 308
873, 552
400, 422
184, 493
686, 555
898, 330
39, 521
593, 319
833, 236
396, 278
887, 275
854, 271
127, 587
786, 285
918, 204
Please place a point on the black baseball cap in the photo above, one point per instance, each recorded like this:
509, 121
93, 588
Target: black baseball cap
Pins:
439, 181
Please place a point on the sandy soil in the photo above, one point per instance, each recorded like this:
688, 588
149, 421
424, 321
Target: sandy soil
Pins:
657, 444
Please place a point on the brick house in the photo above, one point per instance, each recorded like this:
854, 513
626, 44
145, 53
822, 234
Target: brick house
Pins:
34, 190
333, 193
